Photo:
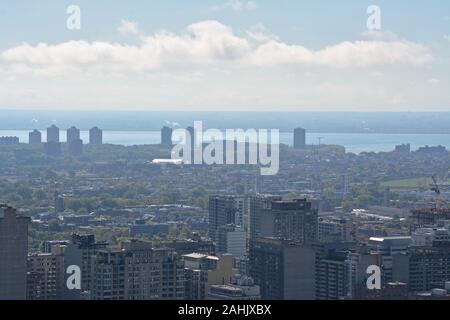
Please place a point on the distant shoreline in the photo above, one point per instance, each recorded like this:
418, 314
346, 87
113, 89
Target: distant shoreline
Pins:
353, 142
313, 122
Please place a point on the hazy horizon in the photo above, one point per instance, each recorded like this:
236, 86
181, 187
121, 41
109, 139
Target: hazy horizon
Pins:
331, 122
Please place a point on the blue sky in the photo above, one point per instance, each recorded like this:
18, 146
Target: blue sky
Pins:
287, 69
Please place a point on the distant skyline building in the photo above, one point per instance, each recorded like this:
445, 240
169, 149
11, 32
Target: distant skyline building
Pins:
299, 138
13, 254
53, 134
6, 141
403, 148
96, 136
73, 134
166, 137
35, 137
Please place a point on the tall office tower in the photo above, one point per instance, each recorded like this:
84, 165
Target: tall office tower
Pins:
13, 254
53, 134
283, 269
138, 272
232, 239
222, 211
166, 137
299, 138
258, 203
73, 134
295, 220
81, 252
76, 148
95, 136
203, 271
45, 278
35, 137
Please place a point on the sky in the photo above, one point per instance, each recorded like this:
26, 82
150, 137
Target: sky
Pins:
225, 55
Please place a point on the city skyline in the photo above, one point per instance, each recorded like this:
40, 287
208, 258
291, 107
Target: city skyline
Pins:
224, 157
229, 55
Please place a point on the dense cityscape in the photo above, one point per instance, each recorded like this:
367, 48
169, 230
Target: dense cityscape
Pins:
224, 159
140, 226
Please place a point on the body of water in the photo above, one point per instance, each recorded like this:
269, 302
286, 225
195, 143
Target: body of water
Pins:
353, 142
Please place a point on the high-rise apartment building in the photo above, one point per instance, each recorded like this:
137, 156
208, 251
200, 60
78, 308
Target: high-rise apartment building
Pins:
35, 137
95, 136
73, 134
166, 137
53, 134
299, 138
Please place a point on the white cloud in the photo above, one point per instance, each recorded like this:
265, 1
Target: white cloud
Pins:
237, 5
434, 81
377, 74
128, 28
447, 37
203, 44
